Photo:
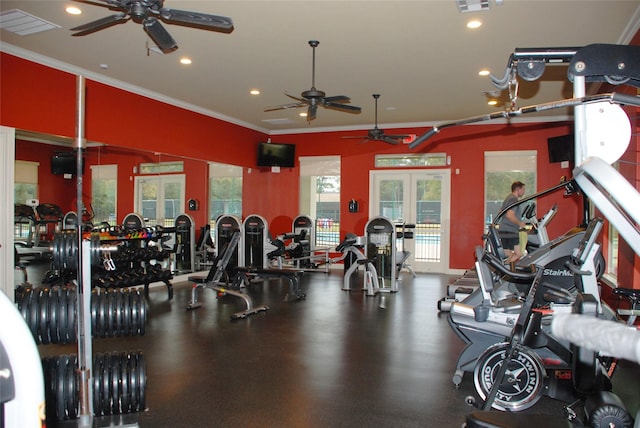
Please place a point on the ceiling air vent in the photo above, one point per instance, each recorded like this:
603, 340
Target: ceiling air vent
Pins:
23, 23
472, 5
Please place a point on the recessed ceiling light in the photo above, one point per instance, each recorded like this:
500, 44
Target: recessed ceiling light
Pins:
484, 73
493, 103
254, 92
474, 24
303, 114
185, 61
72, 10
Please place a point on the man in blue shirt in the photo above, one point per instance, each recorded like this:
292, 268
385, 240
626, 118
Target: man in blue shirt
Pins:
511, 223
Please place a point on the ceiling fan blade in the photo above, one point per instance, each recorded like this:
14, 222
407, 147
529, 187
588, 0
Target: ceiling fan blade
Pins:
343, 107
285, 106
387, 139
337, 99
397, 137
311, 112
300, 100
159, 35
99, 24
196, 19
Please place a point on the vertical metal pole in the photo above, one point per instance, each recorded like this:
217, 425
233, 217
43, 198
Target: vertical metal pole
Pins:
83, 289
580, 134
580, 120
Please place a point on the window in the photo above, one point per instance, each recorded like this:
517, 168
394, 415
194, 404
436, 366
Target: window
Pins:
26, 181
225, 192
503, 168
104, 193
161, 167
320, 196
412, 159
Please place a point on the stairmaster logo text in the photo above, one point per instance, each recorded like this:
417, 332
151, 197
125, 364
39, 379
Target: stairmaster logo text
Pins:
557, 272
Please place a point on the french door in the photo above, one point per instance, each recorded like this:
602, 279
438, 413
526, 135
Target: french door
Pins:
159, 199
421, 198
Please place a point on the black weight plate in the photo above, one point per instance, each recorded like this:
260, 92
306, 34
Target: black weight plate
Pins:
49, 371
105, 384
32, 320
53, 314
135, 312
114, 373
133, 383
111, 313
116, 378
72, 316
94, 310
43, 321
118, 313
101, 322
61, 384
95, 376
61, 326
63, 251
142, 381
64, 308
72, 387
126, 311
143, 314
125, 392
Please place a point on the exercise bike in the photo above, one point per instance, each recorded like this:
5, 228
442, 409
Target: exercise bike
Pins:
552, 254
484, 324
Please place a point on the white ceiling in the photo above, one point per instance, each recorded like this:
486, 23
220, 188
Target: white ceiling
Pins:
418, 55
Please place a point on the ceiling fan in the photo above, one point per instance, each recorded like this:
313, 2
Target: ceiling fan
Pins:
150, 13
377, 134
314, 97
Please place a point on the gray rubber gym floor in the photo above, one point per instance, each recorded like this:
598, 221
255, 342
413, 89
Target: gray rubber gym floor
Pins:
336, 359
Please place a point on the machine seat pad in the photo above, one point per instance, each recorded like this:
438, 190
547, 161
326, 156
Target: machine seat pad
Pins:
200, 279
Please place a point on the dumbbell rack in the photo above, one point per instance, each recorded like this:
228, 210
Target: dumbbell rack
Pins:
131, 263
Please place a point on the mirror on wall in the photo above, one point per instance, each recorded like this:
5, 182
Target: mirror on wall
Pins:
116, 181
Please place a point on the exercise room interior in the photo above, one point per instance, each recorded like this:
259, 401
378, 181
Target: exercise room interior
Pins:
328, 250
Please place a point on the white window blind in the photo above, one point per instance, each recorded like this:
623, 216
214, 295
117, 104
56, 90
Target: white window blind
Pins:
318, 166
26, 172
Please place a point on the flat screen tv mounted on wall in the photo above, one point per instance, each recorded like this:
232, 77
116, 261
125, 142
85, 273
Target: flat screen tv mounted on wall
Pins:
561, 148
276, 154
64, 163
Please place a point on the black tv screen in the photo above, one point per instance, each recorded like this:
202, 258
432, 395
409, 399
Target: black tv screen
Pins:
561, 148
276, 154
64, 163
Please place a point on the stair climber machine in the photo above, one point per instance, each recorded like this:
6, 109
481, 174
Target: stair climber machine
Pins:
529, 362
491, 320
602, 135
552, 255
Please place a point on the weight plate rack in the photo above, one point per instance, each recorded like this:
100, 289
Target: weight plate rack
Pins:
51, 313
118, 387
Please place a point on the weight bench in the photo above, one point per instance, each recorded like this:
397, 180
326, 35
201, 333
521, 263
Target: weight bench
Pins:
245, 273
212, 281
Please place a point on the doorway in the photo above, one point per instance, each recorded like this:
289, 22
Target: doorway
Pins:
421, 198
159, 199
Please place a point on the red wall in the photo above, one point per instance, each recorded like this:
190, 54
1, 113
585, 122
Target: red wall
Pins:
121, 119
